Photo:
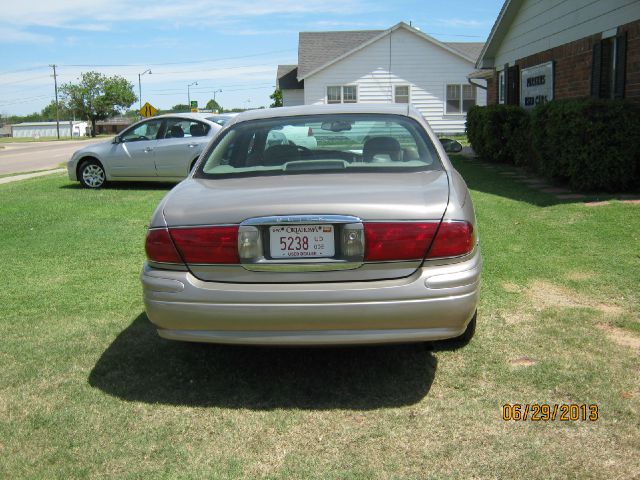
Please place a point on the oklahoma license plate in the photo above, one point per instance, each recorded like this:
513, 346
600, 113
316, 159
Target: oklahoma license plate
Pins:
301, 241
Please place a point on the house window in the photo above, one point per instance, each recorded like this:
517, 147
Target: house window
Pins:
460, 98
350, 94
401, 94
453, 98
608, 66
468, 97
342, 94
334, 94
501, 86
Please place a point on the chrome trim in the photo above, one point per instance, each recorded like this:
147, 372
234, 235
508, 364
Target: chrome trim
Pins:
296, 265
176, 227
168, 265
301, 219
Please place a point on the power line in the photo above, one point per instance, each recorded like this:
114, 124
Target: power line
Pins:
24, 100
178, 63
204, 88
24, 80
8, 72
205, 91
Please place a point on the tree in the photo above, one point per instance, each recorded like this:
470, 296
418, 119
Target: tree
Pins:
98, 97
214, 106
49, 112
276, 96
181, 107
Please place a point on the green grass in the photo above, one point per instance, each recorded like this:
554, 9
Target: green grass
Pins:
87, 389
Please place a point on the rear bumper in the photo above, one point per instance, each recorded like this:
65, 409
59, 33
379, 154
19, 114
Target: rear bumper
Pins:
436, 302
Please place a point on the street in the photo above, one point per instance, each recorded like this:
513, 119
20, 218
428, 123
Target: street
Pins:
26, 157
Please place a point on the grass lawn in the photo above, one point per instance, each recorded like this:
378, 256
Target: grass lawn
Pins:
87, 389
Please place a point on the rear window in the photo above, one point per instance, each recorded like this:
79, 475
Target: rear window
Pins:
320, 143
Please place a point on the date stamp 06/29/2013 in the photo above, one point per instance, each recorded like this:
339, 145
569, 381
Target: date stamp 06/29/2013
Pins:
546, 412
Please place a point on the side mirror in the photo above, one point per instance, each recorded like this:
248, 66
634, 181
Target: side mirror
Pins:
117, 139
451, 146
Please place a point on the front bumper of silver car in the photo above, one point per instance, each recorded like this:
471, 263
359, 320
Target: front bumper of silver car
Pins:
434, 303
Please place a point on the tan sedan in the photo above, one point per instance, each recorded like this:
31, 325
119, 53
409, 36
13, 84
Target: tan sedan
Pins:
370, 237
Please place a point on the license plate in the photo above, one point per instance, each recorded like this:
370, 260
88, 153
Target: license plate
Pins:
301, 241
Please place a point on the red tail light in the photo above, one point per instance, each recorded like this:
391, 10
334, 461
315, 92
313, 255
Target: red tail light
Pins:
207, 244
310, 132
398, 241
453, 239
160, 247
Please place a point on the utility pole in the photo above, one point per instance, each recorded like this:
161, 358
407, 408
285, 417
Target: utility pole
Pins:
140, 85
55, 83
189, 92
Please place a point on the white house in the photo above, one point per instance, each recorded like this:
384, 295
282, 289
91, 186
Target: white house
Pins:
48, 129
401, 65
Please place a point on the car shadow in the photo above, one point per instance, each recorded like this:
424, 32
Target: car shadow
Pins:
141, 366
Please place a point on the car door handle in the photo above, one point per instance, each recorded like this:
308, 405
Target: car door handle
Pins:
148, 149
191, 145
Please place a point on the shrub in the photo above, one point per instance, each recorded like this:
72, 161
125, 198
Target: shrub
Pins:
593, 144
475, 121
499, 133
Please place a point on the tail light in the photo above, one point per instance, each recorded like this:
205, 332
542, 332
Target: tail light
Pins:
207, 244
411, 240
453, 240
160, 247
398, 241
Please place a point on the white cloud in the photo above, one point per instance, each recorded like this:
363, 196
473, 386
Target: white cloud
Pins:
13, 35
344, 23
74, 14
461, 22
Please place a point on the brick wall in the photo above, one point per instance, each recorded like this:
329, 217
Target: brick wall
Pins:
572, 66
632, 86
492, 93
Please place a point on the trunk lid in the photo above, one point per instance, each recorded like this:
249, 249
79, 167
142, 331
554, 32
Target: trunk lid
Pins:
311, 199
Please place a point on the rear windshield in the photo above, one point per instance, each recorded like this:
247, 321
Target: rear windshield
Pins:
320, 143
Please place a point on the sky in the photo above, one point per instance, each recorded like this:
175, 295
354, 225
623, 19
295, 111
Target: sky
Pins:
229, 45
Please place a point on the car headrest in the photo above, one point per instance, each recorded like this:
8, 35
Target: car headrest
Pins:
280, 154
176, 131
381, 145
197, 130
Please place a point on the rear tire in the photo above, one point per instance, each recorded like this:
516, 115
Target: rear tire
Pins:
91, 174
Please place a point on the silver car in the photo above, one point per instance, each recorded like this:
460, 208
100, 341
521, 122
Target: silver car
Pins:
163, 148
363, 239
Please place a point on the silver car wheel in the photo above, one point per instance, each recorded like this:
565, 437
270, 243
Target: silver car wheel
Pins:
93, 175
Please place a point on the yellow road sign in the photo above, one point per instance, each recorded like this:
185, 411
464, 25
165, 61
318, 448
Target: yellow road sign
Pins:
194, 110
148, 110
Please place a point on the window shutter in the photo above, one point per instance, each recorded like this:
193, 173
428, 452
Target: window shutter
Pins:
506, 83
596, 69
513, 82
621, 63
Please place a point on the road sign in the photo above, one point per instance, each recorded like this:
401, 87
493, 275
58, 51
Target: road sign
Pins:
194, 104
148, 110
194, 110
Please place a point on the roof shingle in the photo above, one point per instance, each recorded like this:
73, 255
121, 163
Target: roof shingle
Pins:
318, 48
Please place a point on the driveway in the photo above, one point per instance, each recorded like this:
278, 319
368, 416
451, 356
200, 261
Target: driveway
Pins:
26, 157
